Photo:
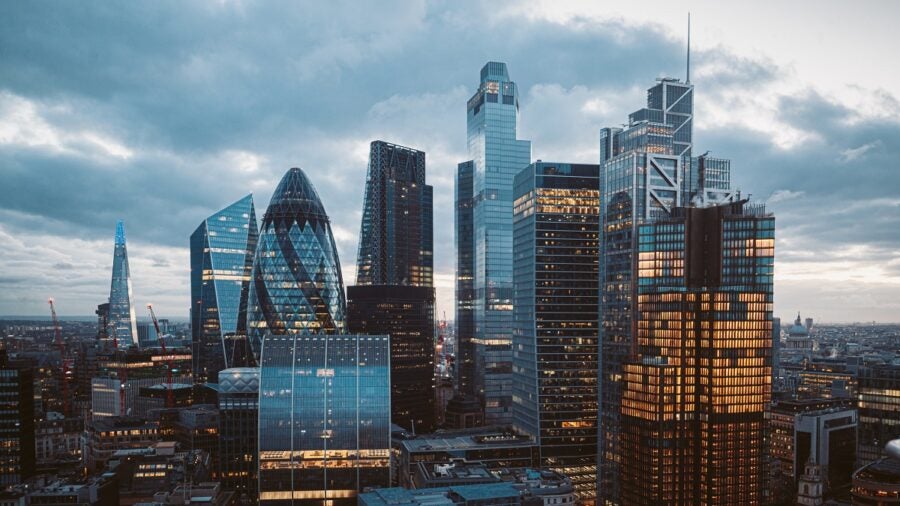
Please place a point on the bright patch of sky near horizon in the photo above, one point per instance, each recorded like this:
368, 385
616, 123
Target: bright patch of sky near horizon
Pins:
162, 113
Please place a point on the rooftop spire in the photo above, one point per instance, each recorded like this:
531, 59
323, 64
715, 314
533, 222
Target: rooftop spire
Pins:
688, 76
120, 232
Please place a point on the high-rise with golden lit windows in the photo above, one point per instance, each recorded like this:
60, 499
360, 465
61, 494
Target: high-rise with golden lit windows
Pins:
556, 241
647, 170
698, 385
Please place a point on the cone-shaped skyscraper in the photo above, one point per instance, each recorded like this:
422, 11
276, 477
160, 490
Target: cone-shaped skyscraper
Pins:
297, 285
122, 319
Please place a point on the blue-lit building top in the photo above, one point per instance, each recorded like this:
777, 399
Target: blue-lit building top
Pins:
324, 417
122, 323
497, 156
222, 250
296, 285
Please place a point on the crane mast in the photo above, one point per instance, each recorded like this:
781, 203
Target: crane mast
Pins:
62, 356
170, 399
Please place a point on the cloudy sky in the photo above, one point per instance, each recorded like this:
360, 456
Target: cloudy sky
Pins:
163, 112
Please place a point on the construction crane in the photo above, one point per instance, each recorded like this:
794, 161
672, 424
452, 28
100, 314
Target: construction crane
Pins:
62, 357
170, 399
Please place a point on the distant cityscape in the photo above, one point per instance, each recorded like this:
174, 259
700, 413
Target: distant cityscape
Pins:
614, 343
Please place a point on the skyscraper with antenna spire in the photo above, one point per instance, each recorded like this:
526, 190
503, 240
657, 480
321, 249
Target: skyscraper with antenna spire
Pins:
647, 171
122, 321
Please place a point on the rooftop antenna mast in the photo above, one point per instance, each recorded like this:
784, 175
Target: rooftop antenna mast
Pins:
688, 77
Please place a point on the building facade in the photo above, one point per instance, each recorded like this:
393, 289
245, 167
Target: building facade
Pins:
879, 410
238, 431
556, 240
394, 293
222, 250
297, 286
647, 170
406, 313
324, 417
465, 281
698, 383
17, 429
122, 320
396, 238
497, 156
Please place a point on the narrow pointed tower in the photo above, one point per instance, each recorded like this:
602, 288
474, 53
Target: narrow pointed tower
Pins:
122, 320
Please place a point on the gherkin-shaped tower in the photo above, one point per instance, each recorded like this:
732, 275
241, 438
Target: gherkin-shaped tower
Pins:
296, 286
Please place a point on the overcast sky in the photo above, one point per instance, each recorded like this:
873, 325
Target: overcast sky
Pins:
161, 113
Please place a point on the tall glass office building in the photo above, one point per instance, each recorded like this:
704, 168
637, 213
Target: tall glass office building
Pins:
122, 319
222, 250
297, 285
497, 156
647, 170
395, 269
396, 240
324, 418
556, 228
465, 282
699, 383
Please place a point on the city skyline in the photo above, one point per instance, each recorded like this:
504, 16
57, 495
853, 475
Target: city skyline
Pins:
103, 153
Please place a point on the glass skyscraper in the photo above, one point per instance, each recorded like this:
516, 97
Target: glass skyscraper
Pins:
122, 319
465, 282
394, 292
497, 156
699, 381
324, 418
297, 285
222, 250
556, 229
646, 172
324, 396
396, 238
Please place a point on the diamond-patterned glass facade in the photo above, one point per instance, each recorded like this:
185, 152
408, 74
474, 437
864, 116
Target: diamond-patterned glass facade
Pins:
296, 285
222, 250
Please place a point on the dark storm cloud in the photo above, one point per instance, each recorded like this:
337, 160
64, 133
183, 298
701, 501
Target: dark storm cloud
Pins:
163, 112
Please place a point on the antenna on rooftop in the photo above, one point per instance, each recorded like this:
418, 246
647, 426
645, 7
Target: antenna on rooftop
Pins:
688, 77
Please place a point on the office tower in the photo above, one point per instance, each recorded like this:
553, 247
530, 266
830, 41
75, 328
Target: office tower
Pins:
809, 324
222, 250
799, 429
698, 383
394, 293
17, 434
556, 239
324, 396
879, 409
644, 176
238, 431
496, 157
406, 313
396, 237
122, 320
465, 283
324, 417
297, 285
